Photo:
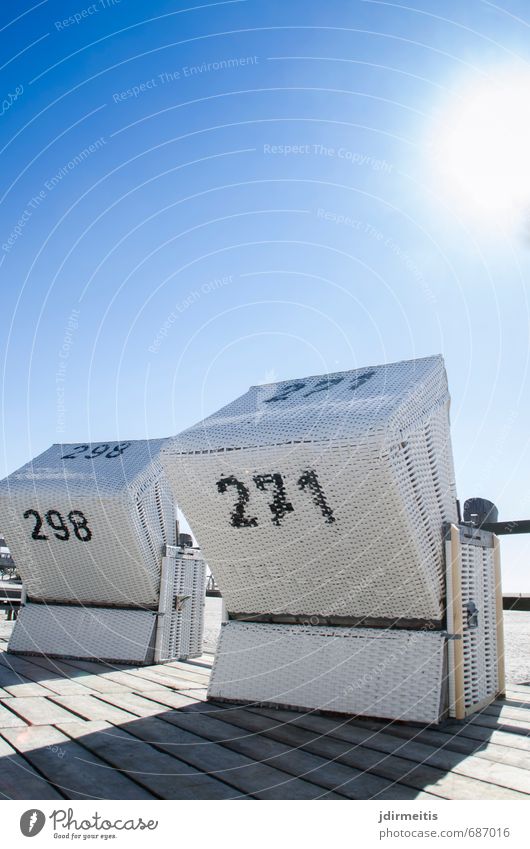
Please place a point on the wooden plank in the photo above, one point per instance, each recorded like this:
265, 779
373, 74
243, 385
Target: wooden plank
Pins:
500, 736
182, 676
515, 726
166, 698
129, 680
91, 680
18, 780
148, 705
8, 719
456, 742
159, 675
189, 666
513, 701
398, 773
182, 670
91, 707
161, 774
505, 711
513, 692
50, 679
57, 668
92, 667
40, 711
241, 731
499, 618
196, 693
501, 775
357, 752
69, 767
205, 660
15, 685
240, 772
107, 678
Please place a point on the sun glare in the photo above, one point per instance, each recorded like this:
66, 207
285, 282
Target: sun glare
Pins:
481, 147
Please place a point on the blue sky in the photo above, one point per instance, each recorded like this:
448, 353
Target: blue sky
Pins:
195, 200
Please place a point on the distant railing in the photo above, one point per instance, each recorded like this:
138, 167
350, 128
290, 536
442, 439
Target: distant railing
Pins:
211, 587
12, 597
7, 566
516, 601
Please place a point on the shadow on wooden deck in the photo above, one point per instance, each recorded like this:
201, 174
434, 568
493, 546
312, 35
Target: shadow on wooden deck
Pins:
77, 729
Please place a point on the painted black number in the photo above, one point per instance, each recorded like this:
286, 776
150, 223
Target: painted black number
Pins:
35, 534
117, 450
322, 385
284, 393
237, 516
79, 522
309, 480
79, 449
363, 378
58, 524
280, 506
56, 521
97, 451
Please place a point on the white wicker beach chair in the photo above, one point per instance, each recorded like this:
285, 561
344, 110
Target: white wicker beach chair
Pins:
88, 525
320, 504
326, 495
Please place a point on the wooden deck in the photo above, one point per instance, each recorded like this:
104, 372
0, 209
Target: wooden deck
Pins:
78, 730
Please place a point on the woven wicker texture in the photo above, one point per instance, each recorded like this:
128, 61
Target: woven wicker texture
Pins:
70, 631
480, 643
376, 672
88, 523
325, 495
182, 605
125, 635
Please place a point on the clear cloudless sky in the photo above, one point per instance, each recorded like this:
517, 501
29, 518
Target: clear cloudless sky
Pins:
199, 198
